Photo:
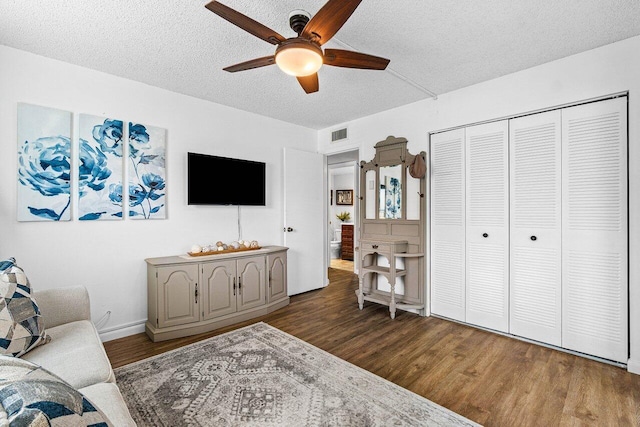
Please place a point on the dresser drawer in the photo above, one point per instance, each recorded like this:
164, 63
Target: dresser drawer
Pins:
384, 247
379, 247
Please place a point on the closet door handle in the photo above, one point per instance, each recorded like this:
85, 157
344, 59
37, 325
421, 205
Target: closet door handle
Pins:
534, 238
485, 235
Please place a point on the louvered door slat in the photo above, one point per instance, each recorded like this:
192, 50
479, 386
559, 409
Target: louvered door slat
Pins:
447, 224
595, 230
536, 187
487, 220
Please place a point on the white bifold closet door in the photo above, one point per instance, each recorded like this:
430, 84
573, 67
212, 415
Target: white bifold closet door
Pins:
448, 224
536, 221
595, 229
487, 225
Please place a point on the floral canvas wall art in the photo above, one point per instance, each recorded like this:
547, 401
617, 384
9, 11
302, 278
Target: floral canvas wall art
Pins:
102, 156
147, 172
100, 167
44, 164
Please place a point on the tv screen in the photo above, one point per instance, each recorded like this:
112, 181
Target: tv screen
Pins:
214, 180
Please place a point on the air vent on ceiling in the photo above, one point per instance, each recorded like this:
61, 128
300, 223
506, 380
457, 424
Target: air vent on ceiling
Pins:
339, 135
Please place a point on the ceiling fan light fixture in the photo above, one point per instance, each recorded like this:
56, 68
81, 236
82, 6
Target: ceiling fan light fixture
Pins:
302, 56
299, 58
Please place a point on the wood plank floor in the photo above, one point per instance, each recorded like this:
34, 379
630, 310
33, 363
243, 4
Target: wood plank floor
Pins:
491, 379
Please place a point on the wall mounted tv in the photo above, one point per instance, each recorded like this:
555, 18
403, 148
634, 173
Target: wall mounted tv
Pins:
214, 180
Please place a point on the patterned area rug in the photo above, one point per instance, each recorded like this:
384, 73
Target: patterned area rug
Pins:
261, 376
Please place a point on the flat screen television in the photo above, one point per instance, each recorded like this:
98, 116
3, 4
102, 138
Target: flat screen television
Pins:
214, 180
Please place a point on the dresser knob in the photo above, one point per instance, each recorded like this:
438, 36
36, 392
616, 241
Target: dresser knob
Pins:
534, 238
485, 235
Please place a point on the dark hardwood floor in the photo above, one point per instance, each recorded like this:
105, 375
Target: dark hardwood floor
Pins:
491, 379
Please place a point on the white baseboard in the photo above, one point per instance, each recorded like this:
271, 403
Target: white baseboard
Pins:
122, 331
633, 366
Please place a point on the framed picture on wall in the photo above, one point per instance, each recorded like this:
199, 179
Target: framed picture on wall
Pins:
344, 197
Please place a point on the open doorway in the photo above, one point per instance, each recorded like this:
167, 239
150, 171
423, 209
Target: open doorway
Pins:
342, 188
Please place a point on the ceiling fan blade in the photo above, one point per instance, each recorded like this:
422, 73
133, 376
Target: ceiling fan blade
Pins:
329, 19
244, 22
309, 83
350, 59
254, 63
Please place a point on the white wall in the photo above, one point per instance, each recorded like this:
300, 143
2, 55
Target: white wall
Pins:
108, 256
603, 71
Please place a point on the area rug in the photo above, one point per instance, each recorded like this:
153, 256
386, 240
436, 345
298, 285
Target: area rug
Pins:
261, 376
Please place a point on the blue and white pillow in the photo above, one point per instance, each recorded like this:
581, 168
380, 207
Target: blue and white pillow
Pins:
31, 396
21, 325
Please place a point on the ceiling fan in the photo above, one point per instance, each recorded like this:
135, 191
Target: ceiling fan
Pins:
302, 56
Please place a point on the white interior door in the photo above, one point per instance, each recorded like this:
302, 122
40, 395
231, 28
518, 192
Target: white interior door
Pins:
536, 220
447, 171
304, 219
487, 225
595, 229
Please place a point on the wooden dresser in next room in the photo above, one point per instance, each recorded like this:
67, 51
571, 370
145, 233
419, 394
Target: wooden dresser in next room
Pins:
347, 242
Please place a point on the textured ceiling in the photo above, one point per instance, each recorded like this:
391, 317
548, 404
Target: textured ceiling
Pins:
435, 46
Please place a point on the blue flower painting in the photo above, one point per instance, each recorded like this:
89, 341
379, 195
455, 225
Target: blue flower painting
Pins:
100, 166
103, 147
392, 198
44, 164
147, 175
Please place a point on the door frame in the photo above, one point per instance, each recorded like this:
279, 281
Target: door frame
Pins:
335, 160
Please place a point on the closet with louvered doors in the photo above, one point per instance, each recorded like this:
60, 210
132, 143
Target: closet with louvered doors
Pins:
469, 225
595, 259
487, 225
566, 243
569, 232
536, 222
447, 220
